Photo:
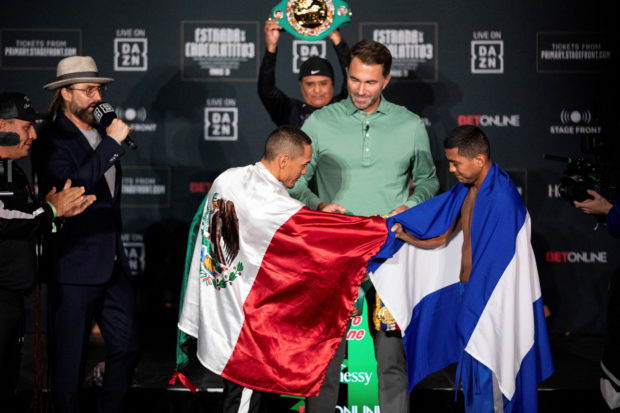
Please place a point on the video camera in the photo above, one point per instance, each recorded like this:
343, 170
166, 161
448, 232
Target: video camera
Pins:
600, 172
6, 139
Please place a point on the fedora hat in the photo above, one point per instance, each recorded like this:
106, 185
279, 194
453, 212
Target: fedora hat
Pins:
76, 69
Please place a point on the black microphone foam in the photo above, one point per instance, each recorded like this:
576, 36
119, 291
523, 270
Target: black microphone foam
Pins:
104, 115
9, 139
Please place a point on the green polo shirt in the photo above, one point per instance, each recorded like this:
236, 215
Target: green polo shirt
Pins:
364, 162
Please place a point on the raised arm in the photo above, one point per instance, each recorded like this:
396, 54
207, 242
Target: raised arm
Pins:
400, 233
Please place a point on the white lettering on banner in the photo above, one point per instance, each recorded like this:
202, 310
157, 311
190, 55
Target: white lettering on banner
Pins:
37, 48
134, 249
135, 119
221, 123
481, 35
143, 127
487, 56
356, 409
487, 35
219, 35
497, 120
576, 122
553, 191
405, 44
413, 47
142, 185
411, 51
575, 54
29, 43
144, 189
244, 50
130, 55
490, 120
304, 49
222, 42
354, 376
130, 50
132, 237
40, 51
565, 130
576, 257
398, 36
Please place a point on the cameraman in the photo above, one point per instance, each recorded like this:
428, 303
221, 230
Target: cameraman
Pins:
610, 361
600, 206
22, 219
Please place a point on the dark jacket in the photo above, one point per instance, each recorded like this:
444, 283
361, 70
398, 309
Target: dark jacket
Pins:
87, 247
22, 221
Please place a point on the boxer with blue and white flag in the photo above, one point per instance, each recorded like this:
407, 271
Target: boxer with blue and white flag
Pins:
465, 288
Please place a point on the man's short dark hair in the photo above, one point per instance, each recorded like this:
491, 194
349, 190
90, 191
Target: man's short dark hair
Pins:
469, 140
372, 53
288, 140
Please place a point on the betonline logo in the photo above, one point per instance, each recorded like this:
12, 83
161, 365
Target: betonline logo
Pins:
501, 121
575, 257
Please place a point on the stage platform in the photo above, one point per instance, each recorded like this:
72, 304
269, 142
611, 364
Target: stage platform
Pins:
574, 387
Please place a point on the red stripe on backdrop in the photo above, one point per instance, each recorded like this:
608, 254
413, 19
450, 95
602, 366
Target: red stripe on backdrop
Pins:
300, 303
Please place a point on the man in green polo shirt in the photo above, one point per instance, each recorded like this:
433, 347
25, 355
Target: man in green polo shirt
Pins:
365, 150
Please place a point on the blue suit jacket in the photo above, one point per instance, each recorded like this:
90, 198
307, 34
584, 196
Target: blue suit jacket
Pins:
88, 245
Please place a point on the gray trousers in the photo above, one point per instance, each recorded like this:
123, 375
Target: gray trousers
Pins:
391, 372
327, 399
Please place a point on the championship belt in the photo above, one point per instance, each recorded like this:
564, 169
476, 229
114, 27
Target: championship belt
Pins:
311, 19
382, 317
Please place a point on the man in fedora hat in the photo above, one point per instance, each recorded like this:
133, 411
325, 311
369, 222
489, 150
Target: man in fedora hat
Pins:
22, 220
90, 275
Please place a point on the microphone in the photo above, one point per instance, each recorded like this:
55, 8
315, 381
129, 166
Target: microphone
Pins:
9, 139
104, 115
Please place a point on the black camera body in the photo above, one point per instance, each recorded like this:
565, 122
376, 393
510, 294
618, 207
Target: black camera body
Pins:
5, 177
600, 172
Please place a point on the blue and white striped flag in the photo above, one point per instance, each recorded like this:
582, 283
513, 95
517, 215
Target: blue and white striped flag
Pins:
496, 318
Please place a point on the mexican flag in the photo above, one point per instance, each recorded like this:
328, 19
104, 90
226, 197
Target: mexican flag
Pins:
270, 284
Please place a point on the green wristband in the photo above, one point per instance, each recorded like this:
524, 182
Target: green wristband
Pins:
53, 209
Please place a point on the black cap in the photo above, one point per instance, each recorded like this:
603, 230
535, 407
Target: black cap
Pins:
15, 105
316, 66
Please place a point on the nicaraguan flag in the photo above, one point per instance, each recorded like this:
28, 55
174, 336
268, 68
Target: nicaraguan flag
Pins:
497, 318
271, 284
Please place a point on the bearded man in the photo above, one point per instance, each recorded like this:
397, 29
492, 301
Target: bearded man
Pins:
90, 277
